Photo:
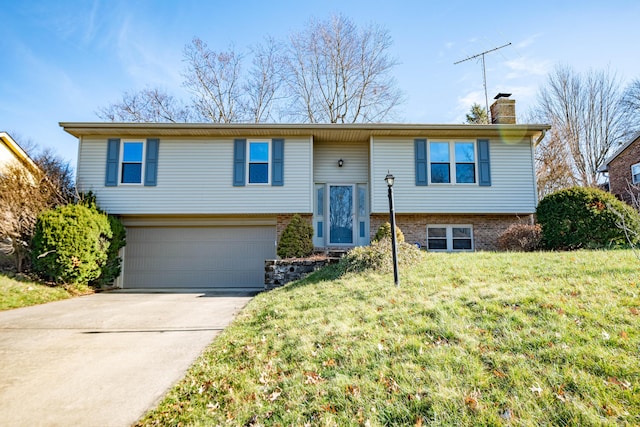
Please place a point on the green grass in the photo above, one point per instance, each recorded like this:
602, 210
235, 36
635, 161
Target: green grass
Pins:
16, 292
522, 339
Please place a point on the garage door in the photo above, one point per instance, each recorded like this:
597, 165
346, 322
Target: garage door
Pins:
197, 257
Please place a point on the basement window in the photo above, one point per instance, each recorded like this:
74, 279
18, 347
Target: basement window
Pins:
449, 238
635, 173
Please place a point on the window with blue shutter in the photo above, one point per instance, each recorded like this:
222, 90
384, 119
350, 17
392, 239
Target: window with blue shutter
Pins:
484, 163
420, 152
277, 163
113, 154
151, 162
239, 160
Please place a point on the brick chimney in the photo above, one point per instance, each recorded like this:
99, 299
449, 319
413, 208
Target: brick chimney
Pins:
503, 110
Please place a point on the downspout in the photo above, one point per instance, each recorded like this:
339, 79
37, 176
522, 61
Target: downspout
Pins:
543, 133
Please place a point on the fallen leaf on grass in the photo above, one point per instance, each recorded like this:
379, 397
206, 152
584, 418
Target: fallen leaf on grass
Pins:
312, 378
507, 414
471, 402
624, 335
353, 390
634, 311
274, 396
499, 374
329, 362
626, 385
536, 389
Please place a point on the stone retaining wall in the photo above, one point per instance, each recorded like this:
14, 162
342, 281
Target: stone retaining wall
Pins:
278, 272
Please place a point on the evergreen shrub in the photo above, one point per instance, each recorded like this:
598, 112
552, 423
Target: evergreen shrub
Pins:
385, 231
113, 267
296, 240
580, 217
70, 244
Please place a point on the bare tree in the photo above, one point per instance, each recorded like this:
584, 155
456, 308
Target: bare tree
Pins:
631, 101
263, 87
477, 115
338, 73
588, 118
331, 72
150, 105
25, 192
553, 167
213, 78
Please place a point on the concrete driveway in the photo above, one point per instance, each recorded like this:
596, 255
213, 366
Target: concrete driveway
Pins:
105, 359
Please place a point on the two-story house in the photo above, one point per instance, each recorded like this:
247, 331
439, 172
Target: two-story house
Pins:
205, 204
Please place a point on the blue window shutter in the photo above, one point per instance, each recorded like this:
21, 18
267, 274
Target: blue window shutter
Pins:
239, 161
277, 162
484, 163
113, 155
421, 161
151, 162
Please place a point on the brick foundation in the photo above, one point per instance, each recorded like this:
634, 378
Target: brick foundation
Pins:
486, 228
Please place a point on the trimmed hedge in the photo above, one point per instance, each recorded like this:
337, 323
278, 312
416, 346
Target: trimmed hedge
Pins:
70, 244
580, 217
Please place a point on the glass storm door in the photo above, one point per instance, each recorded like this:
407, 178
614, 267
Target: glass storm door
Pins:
341, 214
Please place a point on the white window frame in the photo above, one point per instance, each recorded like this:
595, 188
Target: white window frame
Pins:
449, 237
453, 162
142, 161
635, 180
249, 162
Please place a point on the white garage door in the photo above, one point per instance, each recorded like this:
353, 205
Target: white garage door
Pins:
197, 257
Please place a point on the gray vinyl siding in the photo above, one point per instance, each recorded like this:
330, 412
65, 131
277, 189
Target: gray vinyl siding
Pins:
195, 176
354, 155
512, 187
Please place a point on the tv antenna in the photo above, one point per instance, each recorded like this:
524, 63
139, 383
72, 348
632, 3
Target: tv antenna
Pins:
484, 71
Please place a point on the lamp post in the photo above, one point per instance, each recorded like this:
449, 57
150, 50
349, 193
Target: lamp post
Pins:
392, 216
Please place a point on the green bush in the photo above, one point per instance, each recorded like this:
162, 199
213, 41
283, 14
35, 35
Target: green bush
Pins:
113, 267
379, 257
580, 217
296, 240
521, 237
70, 244
385, 231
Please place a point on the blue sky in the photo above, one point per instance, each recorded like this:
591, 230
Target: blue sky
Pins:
62, 60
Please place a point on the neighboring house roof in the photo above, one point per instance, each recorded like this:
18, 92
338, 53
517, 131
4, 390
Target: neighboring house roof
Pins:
321, 132
10, 150
605, 166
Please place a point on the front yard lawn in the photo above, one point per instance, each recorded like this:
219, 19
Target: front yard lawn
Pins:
16, 292
467, 339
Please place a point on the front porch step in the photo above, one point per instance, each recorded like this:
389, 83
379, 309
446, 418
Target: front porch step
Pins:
332, 252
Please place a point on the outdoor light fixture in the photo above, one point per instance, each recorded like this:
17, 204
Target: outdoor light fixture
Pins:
392, 216
389, 178
340, 163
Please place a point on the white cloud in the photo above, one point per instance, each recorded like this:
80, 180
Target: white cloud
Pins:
527, 41
525, 66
